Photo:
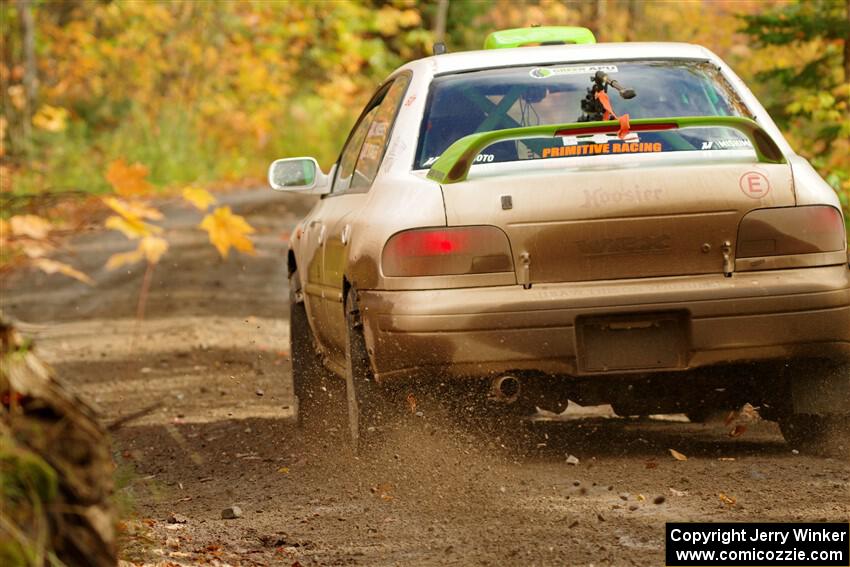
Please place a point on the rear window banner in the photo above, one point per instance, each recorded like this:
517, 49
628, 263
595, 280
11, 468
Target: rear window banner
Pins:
545, 72
597, 149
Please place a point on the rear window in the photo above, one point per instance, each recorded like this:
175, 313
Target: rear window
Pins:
480, 101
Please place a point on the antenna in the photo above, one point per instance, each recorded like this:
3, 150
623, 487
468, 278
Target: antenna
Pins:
440, 48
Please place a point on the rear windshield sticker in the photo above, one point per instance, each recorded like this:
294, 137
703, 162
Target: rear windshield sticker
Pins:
594, 149
730, 144
480, 158
545, 72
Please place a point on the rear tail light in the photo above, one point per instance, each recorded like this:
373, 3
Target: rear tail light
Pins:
447, 251
791, 230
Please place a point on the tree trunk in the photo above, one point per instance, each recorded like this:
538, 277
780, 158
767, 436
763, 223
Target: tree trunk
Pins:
847, 46
600, 9
440, 21
30, 76
633, 12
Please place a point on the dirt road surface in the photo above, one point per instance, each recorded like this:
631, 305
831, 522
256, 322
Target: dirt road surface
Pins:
213, 352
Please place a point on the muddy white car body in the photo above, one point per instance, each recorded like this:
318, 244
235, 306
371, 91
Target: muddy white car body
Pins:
599, 277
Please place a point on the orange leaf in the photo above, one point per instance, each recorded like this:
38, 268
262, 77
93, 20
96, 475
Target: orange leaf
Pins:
128, 180
739, 430
677, 455
728, 500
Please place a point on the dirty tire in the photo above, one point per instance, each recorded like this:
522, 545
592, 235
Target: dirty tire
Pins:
309, 376
368, 409
816, 434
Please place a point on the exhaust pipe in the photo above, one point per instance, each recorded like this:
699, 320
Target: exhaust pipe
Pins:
505, 389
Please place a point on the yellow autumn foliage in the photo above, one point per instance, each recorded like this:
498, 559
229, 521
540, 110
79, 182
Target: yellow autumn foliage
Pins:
200, 198
228, 230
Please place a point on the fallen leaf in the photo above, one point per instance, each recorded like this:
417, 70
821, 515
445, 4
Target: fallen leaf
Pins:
675, 492
49, 266
677, 455
283, 470
226, 229
738, 430
199, 198
128, 180
728, 500
411, 402
31, 226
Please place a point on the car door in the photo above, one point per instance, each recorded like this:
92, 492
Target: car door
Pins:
316, 226
348, 197
310, 263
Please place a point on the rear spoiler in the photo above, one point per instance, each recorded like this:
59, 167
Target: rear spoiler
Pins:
453, 165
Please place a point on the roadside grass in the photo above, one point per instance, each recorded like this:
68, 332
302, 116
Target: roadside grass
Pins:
75, 160
134, 533
176, 146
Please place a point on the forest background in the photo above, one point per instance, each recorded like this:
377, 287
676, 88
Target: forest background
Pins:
143, 98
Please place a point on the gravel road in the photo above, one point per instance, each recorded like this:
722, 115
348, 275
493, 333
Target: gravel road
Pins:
212, 354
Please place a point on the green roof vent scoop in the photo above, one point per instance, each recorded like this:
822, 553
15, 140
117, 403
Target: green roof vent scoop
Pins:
544, 35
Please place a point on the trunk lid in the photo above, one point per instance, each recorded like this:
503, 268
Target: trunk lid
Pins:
613, 217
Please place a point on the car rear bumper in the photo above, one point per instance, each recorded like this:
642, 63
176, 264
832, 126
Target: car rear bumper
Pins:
491, 330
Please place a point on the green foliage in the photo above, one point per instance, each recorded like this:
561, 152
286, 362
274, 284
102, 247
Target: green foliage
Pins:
27, 484
808, 93
24, 475
799, 21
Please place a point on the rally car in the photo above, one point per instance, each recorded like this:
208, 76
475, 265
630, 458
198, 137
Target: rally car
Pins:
551, 219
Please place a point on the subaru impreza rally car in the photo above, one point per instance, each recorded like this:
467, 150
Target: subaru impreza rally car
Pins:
551, 219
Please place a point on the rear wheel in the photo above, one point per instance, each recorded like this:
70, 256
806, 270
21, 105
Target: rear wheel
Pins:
817, 433
814, 417
369, 407
309, 376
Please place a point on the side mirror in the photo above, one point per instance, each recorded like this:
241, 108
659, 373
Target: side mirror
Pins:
298, 175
